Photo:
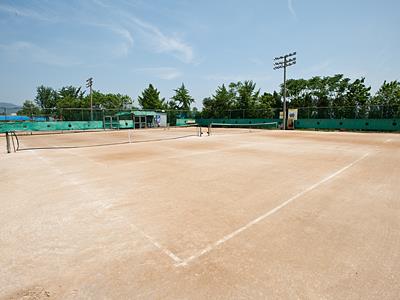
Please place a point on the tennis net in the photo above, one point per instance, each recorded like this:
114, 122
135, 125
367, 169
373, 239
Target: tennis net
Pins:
81, 139
226, 128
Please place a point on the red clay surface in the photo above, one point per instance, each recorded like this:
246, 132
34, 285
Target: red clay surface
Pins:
267, 214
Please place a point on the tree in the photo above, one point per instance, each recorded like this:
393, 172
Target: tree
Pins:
265, 106
108, 101
70, 97
29, 108
278, 103
296, 92
182, 98
323, 97
150, 99
172, 105
246, 97
387, 100
219, 104
208, 104
358, 95
46, 97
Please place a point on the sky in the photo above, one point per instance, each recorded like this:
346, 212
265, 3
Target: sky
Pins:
125, 45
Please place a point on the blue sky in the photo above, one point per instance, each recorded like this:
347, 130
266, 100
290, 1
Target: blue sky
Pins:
125, 45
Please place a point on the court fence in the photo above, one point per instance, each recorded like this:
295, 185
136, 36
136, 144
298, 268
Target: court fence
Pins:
367, 117
311, 112
85, 118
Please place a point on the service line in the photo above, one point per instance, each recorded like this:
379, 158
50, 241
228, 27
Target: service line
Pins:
265, 215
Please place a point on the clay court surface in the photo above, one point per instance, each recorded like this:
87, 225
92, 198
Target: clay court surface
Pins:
269, 214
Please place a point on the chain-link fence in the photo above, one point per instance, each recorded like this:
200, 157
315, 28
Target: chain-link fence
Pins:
350, 112
334, 112
86, 114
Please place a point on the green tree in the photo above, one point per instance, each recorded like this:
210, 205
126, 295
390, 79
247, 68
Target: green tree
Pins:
296, 92
70, 97
172, 105
150, 99
46, 98
108, 101
220, 103
386, 102
246, 94
358, 96
278, 103
182, 98
265, 106
29, 108
322, 97
208, 104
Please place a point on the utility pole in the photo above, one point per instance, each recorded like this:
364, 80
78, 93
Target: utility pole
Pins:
279, 63
89, 84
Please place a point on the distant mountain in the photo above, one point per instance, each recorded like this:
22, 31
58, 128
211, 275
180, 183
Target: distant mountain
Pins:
8, 108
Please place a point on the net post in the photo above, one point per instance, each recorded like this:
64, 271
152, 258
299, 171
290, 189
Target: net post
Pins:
209, 129
8, 142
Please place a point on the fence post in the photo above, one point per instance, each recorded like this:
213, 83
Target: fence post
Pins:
8, 142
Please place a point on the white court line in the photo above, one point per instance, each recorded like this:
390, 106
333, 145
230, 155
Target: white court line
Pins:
183, 262
387, 141
168, 252
78, 184
267, 214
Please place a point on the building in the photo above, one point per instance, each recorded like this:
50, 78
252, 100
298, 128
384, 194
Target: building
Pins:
143, 118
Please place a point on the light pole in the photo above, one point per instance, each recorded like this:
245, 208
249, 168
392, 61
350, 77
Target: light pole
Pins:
279, 63
89, 83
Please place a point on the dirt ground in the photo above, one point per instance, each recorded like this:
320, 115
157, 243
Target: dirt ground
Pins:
272, 214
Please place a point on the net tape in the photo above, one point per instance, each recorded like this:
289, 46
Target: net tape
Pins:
241, 128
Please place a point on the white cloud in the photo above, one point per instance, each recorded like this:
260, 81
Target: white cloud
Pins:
22, 50
291, 9
25, 12
166, 73
163, 43
154, 38
127, 43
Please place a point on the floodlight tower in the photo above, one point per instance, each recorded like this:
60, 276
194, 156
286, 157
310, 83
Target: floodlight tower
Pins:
89, 84
279, 63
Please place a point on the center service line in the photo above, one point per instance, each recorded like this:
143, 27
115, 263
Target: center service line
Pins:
267, 214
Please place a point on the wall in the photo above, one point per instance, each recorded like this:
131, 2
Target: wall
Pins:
329, 124
50, 126
349, 124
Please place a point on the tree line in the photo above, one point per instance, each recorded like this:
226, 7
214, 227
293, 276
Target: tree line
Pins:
318, 97
323, 97
48, 100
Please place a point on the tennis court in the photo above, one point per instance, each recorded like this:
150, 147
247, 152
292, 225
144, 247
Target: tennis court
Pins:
261, 214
